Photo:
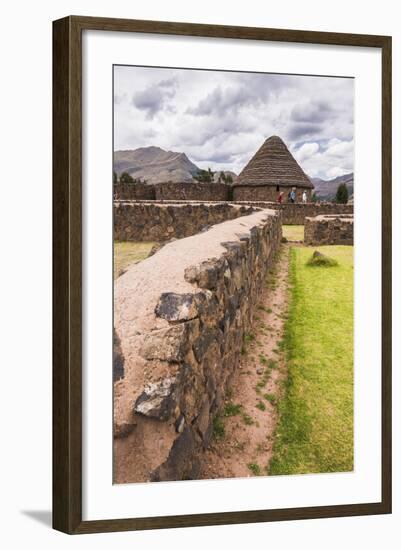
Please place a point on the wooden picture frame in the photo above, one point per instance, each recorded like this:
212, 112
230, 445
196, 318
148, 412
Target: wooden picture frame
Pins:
67, 273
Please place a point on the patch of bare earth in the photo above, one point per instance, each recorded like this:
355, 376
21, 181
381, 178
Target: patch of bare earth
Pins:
243, 436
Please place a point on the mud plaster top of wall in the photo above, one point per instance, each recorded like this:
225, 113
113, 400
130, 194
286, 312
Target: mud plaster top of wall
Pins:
330, 217
138, 290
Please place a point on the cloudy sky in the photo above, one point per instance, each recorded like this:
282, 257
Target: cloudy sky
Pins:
219, 119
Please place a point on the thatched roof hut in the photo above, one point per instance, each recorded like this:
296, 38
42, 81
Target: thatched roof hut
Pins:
273, 165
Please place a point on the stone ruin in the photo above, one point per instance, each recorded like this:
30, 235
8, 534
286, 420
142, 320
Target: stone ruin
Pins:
329, 229
178, 339
181, 315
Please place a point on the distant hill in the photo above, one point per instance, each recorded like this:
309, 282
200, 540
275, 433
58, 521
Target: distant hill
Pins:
155, 165
326, 189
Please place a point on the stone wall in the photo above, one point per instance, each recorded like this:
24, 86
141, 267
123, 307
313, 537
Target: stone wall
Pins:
322, 230
193, 191
152, 221
295, 213
180, 319
134, 191
267, 193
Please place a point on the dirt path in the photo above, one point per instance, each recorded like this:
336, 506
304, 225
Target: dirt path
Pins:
243, 434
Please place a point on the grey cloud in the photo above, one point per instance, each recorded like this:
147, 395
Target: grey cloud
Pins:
218, 102
301, 131
169, 82
248, 90
223, 117
312, 112
218, 157
154, 98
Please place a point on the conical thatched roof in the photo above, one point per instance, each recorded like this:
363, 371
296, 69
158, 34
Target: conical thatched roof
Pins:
273, 164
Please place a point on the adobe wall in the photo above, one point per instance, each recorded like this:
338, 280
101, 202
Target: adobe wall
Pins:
193, 191
152, 221
180, 318
323, 230
133, 191
267, 193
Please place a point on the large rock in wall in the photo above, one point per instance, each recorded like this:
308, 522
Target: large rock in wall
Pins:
322, 230
193, 191
147, 221
180, 318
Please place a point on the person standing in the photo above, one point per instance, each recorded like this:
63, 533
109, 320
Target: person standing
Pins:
280, 197
304, 197
292, 195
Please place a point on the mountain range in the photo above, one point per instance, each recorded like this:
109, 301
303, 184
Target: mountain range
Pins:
326, 189
156, 165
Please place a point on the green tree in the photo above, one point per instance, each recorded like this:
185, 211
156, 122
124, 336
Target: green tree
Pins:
342, 194
115, 179
204, 176
314, 197
126, 178
229, 178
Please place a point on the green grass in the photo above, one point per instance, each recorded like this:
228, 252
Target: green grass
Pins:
315, 427
262, 359
270, 398
232, 409
248, 420
219, 430
254, 468
293, 232
127, 253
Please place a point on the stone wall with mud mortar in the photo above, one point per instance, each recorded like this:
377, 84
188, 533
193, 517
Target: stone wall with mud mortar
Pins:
180, 318
267, 193
193, 191
152, 221
295, 213
322, 230
134, 191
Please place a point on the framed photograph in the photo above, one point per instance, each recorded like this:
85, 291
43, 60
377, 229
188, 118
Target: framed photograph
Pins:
222, 274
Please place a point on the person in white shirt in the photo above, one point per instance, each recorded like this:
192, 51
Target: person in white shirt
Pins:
304, 196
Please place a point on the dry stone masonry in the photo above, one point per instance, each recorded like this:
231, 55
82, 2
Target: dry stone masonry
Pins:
152, 221
163, 220
295, 213
134, 191
193, 191
329, 229
180, 320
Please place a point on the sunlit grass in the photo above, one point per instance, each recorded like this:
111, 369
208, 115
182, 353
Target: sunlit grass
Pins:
293, 232
127, 252
315, 427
